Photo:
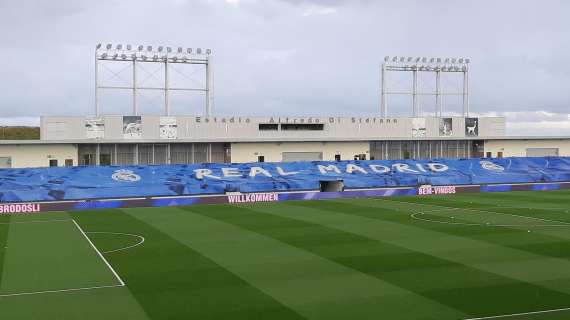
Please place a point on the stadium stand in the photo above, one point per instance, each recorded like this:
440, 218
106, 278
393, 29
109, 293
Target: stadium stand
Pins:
74, 183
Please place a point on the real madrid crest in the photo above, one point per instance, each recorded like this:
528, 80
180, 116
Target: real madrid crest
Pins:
124, 175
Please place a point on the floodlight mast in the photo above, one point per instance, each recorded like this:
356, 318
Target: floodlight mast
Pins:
424, 64
167, 57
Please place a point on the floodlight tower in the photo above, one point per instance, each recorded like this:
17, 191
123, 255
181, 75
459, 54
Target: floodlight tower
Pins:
424, 64
157, 55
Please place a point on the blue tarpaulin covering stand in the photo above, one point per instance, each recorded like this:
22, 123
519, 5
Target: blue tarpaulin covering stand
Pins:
97, 182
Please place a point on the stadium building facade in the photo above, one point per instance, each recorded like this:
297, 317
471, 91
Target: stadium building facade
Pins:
123, 140
141, 140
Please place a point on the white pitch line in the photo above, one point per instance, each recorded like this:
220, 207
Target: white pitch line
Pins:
99, 253
35, 221
142, 239
485, 211
56, 291
415, 216
519, 314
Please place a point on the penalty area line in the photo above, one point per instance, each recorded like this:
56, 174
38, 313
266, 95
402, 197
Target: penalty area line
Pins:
122, 283
519, 314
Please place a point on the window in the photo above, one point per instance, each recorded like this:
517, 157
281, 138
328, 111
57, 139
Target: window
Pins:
268, 127
145, 154
260, 158
227, 152
125, 153
160, 154
5, 162
106, 154
104, 159
218, 152
542, 152
53, 163
489, 154
337, 157
87, 154
301, 156
181, 153
500, 154
302, 126
69, 162
201, 151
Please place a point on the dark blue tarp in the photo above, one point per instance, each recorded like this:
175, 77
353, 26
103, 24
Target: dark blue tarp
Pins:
61, 183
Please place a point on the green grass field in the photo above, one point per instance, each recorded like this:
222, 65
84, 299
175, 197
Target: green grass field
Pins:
494, 255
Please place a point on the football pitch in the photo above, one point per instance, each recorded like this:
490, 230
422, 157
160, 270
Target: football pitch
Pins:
467, 256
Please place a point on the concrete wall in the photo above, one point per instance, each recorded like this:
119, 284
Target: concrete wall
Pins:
248, 152
38, 155
517, 148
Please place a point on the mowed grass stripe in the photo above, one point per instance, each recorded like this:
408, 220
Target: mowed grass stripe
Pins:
539, 205
512, 202
545, 241
172, 281
313, 286
547, 272
434, 278
4, 229
547, 198
555, 200
396, 212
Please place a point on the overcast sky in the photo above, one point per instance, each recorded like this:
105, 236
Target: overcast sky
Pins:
296, 57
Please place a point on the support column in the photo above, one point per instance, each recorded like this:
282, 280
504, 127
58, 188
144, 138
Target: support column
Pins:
97, 154
415, 92
135, 107
383, 105
96, 85
466, 93
209, 82
438, 105
166, 88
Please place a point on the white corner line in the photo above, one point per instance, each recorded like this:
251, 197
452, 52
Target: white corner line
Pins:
519, 314
56, 291
100, 254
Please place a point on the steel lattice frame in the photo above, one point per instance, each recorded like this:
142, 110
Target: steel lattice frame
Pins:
423, 64
157, 55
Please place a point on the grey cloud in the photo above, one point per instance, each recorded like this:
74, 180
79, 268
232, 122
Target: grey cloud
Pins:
319, 2
273, 58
